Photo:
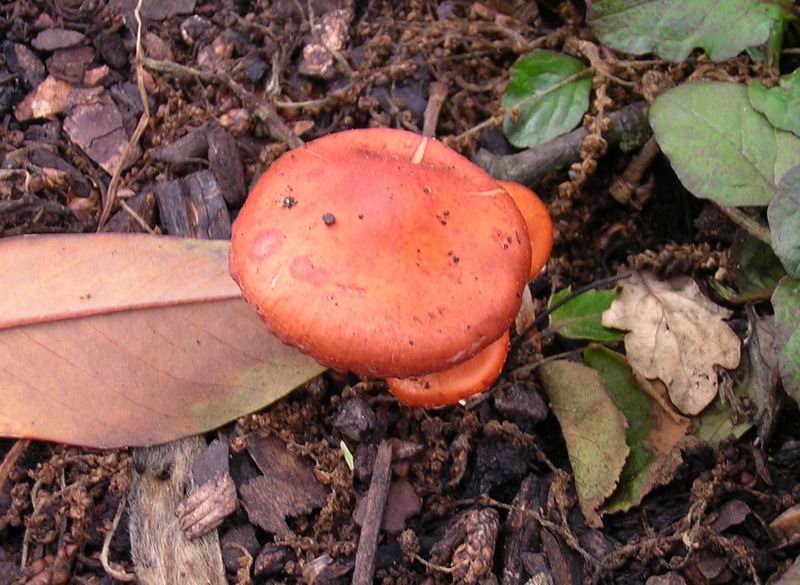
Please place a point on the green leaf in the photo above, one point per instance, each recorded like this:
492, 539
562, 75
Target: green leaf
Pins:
757, 268
540, 104
720, 147
783, 215
780, 104
672, 29
786, 301
580, 317
593, 429
721, 421
652, 435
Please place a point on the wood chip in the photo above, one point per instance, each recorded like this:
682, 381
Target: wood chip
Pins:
402, 503
97, 127
144, 205
53, 39
70, 64
236, 539
52, 97
24, 62
288, 487
566, 564
212, 461
156, 9
193, 206
226, 164
523, 531
192, 145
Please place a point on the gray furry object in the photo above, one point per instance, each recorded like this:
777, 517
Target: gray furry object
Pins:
161, 554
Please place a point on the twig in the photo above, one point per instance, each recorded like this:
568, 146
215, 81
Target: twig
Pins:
492, 122
116, 574
263, 111
748, 223
623, 186
371, 527
144, 119
498, 118
437, 93
317, 103
433, 566
540, 318
136, 217
10, 460
523, 371
628, 126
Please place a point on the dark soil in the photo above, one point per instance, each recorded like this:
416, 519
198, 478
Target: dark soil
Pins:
493, 474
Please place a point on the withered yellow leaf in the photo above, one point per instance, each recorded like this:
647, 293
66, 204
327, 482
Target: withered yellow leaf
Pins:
675, 334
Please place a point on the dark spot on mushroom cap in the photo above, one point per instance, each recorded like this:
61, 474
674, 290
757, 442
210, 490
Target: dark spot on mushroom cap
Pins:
329, 219
288, 202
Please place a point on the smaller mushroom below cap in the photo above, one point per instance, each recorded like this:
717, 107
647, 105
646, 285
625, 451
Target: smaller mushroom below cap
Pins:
458, 383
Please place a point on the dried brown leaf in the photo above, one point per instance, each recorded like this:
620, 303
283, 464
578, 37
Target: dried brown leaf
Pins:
129, 339
675, 334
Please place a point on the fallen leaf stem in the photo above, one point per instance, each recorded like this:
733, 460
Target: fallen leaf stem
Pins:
541, 317
10, 460
144, 119
748, 223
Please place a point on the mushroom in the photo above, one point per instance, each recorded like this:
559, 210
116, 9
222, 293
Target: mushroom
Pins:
384, 253
479, 372
537, 218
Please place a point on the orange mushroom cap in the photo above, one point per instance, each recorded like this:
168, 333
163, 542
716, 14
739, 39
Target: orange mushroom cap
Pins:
458, 383
538, 220
381, 252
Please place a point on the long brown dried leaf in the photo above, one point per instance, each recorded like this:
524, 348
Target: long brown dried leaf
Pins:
109, 340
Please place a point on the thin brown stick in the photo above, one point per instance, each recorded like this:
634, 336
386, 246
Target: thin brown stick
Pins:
10, 460
623, 187
116, 574
437, 93
261, 110
748, 223
540, 319
144, 119
137, 218
497, 119
371, 527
